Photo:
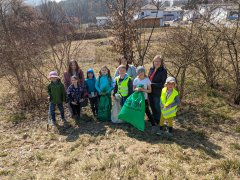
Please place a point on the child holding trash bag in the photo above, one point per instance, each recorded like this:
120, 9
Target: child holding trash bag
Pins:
124, 87
92, 91
56, 96
104, 86
122, 90
75, 93
169, 102
142, 79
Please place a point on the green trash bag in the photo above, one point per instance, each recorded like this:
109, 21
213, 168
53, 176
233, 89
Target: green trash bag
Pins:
133, 110
104, 108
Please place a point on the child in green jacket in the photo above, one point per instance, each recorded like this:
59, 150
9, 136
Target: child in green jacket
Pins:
56, 96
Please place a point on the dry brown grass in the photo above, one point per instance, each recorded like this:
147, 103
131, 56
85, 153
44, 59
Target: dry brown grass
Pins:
205, 143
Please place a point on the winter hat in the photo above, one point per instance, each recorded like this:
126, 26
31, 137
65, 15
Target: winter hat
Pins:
140, 69
53, 74
170, 80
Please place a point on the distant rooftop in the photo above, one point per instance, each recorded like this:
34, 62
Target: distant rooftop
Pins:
102, 17
174, 8
149, 7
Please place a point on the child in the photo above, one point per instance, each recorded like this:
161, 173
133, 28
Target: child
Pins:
124, 86
104, 86
169, 102
75, 94
92, 91
104, 83
142, 79
56, 96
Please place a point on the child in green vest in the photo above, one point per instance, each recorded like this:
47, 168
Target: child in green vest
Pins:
124, 85
169, 102
56, 96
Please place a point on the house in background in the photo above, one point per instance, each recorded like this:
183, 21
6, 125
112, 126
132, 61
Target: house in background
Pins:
172, 13
102, 21
150, 14
150, 10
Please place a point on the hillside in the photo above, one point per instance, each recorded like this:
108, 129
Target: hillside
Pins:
205, 144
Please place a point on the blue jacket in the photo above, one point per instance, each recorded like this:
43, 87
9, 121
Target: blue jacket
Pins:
104, 84
90, 83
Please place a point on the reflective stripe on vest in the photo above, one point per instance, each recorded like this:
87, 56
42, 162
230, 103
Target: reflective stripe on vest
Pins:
168, 112
123, 86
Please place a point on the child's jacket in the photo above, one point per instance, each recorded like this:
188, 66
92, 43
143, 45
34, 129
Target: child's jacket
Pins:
75, 94
104, 84
123, 86
169, 102
56, 92
90, 83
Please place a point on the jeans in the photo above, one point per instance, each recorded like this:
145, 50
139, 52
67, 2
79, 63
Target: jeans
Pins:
155, 106
52, 111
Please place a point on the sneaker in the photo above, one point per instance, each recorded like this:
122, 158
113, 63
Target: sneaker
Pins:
54, 129
65, 124
154, 129
168, 134
159, 132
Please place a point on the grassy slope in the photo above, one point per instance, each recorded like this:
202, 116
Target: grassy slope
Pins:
205, 145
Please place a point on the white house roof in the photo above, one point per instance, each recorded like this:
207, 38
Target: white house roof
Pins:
102, 17
176, 8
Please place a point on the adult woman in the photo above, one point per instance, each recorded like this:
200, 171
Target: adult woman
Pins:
73, 70
157, 75
131, 69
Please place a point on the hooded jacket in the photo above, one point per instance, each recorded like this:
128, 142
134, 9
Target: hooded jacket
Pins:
56, 92
90, 83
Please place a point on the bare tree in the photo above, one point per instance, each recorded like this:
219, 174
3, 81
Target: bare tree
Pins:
58, 34
20, 47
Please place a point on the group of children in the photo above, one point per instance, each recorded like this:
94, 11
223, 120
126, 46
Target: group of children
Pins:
122, 86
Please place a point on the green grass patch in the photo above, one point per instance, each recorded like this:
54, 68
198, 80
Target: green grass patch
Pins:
237, 129
230, 165
235, 146
17, 118
5, 172
3, 154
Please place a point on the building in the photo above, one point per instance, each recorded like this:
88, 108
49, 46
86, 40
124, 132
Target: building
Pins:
172, 13
149, 22
150, 12
102, 21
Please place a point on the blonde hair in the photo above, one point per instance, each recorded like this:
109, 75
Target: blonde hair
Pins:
159, 56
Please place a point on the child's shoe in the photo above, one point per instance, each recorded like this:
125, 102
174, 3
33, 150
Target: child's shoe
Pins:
169, 134
154, 129
159, 132
65, 123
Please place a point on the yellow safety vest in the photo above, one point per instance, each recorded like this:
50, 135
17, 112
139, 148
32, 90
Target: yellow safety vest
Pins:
168, 112
123, 86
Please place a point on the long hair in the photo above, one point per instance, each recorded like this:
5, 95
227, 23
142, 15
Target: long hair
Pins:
70, 68
158, 57
120, 61
109, 73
